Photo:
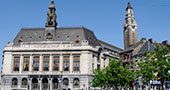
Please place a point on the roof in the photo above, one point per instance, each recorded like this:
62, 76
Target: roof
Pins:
148, 46
109, 46
132, 47
68, 34
129, 6
71, 34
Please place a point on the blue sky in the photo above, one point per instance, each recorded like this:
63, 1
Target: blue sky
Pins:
104, 17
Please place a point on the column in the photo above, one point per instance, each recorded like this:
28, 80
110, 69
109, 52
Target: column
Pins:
21, 63
41, 63
51, 63
31, 62
101, 61
71, 63
61, 63
40, 83
107, 62
50, 83
30, 83
95, 62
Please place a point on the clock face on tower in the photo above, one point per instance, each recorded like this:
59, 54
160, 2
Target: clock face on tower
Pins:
133, 30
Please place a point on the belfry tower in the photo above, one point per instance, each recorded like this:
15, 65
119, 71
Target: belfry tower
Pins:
51, 24
130, 28
51, 16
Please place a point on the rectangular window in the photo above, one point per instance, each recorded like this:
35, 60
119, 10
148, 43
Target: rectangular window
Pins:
46, 63
66, 63
76, 63
35, 63
56, 63
26, 63
16, 63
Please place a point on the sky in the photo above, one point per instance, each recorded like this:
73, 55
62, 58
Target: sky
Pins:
104, 17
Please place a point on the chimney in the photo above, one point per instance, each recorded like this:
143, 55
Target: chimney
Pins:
165, 42
143, 39
151, 41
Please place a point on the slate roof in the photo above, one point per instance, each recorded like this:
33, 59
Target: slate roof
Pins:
62, 34
148, 46
109, 46
132, 47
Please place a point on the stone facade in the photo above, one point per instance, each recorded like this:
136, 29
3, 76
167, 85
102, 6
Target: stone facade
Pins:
52, 58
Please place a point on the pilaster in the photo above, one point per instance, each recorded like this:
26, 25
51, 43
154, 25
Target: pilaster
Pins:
41, 63
31, 62
95, 62
61, 63
40, 83
50, 83
30, 83
21, 64
51, 63
71, 63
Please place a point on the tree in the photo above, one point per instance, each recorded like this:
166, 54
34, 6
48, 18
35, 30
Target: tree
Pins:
147, 68
155, 65
99, 78
162, 64
113, 76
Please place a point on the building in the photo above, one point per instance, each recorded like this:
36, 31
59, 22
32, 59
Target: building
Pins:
51, 58
134, 49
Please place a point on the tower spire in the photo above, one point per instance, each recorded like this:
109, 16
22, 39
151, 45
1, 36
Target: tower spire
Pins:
51, 16
129, 6
130, 28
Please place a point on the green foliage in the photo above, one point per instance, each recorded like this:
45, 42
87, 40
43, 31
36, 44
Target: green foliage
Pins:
155, 65
162, 63
147, 68
99, 79
113, 75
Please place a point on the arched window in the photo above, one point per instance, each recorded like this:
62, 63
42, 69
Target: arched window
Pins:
34, 83
65, 82
14, 82
24, 82
55, 83
45, 83
76, 83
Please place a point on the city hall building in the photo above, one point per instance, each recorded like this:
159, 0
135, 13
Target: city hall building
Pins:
52, 58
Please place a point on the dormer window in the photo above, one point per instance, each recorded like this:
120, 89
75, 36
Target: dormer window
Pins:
68, 36
58, 36
39, 37
77, 36
77, 41
19, 41
30, 37
49, 36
